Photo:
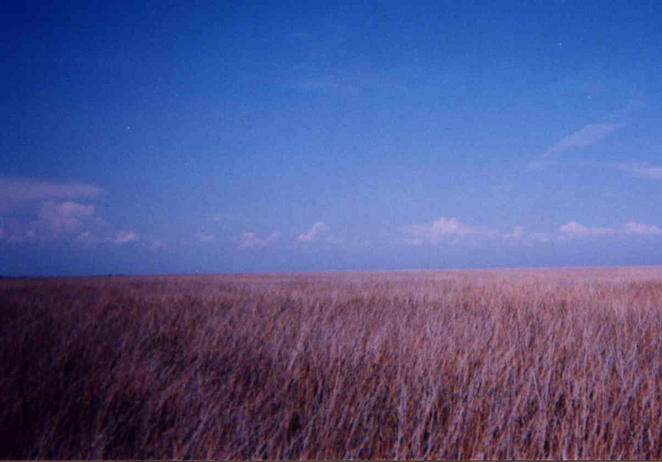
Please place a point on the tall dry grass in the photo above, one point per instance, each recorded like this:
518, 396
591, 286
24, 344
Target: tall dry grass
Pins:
473, 364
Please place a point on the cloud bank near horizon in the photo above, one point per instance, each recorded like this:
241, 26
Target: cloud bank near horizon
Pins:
39, 211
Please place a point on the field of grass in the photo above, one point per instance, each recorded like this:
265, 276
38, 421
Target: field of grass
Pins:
562, 363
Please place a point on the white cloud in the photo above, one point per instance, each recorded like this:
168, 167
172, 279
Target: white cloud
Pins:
318, 229
539, 237
572, 228
57, 214
584, 137
632, 227
36, 211
17, 192
653, 172
517, 233
102, 237
250, 239
442, 229
52, 220
63, 216
124, 237
518, 236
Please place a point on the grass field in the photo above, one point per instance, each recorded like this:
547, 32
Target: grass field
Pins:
563, 363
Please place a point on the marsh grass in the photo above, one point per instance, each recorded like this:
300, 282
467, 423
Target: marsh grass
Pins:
442, 364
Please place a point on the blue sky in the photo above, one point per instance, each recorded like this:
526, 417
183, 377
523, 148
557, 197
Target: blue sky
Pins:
179, 137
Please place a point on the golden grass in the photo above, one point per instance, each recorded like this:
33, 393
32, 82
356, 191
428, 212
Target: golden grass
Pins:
560, 363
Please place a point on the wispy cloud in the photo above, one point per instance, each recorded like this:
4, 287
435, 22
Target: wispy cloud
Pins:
653, 172
632, 227
443, 229
316, 232
538, 237
124, 237
105, 237
572, 228
517, 233
250, 239
17, 192
586, 136
519, 236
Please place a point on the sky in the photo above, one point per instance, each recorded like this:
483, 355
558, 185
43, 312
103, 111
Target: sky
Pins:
218, 137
